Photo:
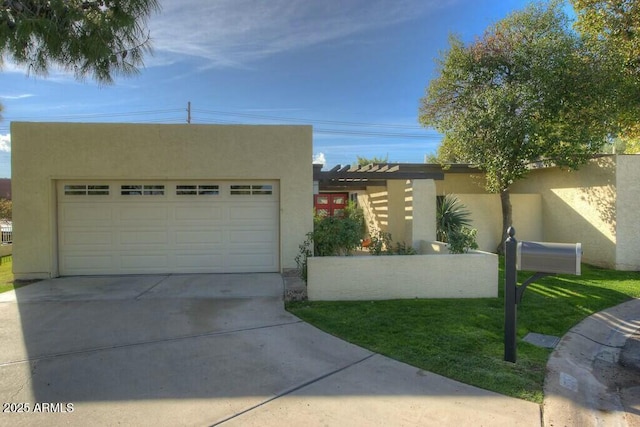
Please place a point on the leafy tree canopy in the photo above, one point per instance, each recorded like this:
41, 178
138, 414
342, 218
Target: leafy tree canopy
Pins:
612, 28
363, 161
616, 22
527, 92
97, 38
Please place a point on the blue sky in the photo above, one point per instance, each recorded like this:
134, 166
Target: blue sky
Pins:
354, 69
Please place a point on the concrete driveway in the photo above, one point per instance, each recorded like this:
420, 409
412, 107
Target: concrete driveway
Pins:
206, 350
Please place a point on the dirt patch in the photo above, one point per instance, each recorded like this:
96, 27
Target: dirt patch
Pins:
295, 289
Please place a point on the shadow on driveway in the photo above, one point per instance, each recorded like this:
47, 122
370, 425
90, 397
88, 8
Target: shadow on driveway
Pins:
208, 349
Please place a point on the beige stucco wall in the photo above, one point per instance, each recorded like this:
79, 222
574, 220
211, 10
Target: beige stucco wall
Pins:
6, 249
460, 183
406, 209
486, 217
578, 206
396, 210
403, 276
628, 212
574, 206
423, 211
43, 153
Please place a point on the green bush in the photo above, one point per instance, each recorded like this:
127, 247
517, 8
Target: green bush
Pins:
402, 248
338, 235
462, 240
332, 236
451, 216
305, 252
381, 244
453, 225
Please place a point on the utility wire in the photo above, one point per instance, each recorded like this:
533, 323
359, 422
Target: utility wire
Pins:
299, 120
176, 115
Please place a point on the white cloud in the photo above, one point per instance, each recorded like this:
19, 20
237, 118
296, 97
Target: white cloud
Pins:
5, 143
237, 32
318, 159
20, 96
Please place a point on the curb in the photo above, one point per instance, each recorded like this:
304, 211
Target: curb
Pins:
579, 388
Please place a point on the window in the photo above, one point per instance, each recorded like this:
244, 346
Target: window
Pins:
86, 190
142, 190
322, 200
197, 190
251, 189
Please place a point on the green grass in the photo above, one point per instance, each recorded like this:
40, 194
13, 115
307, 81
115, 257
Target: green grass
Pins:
7, 283
463, 339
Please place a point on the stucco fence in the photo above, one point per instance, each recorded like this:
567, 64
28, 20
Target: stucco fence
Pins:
432, 274
6, 250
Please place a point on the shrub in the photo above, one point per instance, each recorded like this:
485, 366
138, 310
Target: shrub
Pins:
338, 235
462, 240
451, 216
402, 248
332, 236
381, 245
304, 253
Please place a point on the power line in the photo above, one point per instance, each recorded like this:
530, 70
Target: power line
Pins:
93, 115
299, 120
331, 131
177, 116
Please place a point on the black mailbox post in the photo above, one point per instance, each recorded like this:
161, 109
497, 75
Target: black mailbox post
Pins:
545, 259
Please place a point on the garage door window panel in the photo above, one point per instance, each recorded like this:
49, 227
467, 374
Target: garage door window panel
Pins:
197, 190
86, 190
251, 189
142, 190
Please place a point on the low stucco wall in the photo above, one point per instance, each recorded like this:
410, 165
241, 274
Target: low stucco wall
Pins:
6, 250
472, 275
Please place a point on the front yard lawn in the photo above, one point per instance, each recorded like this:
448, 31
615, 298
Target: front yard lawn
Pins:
6, 276
463, 339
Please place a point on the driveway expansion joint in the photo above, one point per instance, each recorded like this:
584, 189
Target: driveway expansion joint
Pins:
294, 389
152, 286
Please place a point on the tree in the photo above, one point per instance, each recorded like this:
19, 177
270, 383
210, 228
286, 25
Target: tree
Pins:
100, 38
612, 28
6, 208
615, 22
525, 93
363, 161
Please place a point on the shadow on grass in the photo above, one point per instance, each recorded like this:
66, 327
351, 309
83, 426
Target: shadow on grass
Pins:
463, 339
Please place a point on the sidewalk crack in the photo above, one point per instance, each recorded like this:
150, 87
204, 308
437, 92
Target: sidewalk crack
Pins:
29, 379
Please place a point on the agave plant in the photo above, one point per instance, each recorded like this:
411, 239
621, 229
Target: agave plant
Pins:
452, 216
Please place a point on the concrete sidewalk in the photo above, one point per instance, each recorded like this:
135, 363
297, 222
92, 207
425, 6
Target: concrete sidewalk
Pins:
593, 375
209, 350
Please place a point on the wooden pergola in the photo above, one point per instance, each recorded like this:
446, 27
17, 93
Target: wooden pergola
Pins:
376, 174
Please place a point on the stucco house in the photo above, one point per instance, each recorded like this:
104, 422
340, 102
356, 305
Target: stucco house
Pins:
93, 198
597, 205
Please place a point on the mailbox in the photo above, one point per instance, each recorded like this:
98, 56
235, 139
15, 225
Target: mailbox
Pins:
562, 258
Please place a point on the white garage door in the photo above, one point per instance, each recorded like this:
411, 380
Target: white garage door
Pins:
123, 227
